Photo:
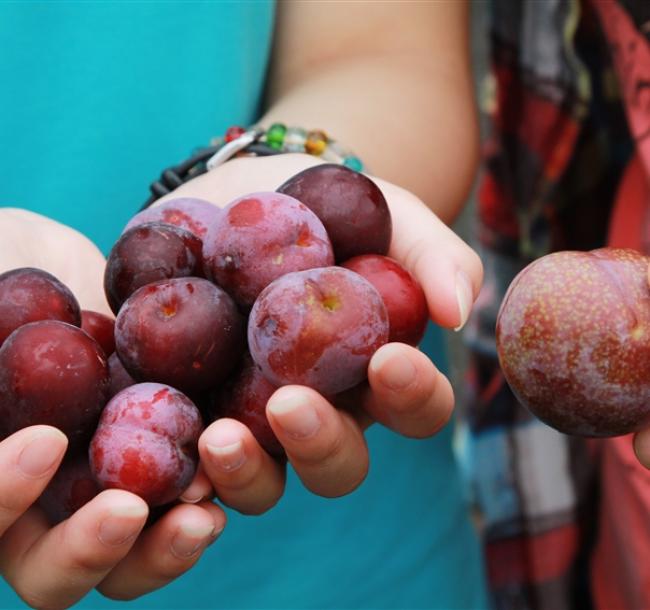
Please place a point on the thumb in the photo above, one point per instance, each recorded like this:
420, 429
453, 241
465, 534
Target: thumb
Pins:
449, 271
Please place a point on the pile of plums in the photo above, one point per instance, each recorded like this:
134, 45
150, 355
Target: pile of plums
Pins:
215, 309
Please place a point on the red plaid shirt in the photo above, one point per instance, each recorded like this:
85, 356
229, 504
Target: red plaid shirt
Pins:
571, 107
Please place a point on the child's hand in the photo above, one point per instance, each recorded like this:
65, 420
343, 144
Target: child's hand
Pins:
406, 392
99, 546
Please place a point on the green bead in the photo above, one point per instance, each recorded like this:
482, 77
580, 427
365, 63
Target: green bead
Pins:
353, 163
275, 135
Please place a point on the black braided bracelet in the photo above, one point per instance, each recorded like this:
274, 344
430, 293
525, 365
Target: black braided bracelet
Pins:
256, 142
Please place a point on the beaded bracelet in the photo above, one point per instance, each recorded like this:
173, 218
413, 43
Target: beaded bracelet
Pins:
258, 142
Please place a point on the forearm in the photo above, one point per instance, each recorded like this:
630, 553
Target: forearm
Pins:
406, 108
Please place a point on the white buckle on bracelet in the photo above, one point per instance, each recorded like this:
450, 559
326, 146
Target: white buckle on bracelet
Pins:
229, 150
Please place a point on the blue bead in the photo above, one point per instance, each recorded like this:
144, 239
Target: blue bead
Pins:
353, 163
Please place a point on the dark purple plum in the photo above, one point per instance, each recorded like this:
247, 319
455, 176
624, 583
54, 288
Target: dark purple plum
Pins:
119, 376
244, 398
185, 332
52, 373
72, 486
148, 253
350, 205
101, 328
29, 295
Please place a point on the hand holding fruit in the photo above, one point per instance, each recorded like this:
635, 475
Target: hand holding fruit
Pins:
147, 450
100, 545
404, 392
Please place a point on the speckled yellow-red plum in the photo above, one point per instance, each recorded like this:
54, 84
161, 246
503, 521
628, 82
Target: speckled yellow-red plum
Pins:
573, 338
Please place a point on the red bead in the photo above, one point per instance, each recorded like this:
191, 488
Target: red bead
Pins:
233, 133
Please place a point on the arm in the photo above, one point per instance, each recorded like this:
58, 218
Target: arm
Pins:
392, 81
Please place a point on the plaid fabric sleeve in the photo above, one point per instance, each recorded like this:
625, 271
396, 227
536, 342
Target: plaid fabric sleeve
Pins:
557, 147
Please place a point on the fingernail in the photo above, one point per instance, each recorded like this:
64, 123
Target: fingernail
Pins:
191, 497
227, 457
122, 525
190, 538
464, 297
38, 458
294, 415
395, 371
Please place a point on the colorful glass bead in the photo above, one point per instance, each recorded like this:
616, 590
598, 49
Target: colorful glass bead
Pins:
316, 142
234, 132
294, 139
353, 163
275, 135
333, 153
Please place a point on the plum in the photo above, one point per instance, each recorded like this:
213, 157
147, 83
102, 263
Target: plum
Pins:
185, 332
147, 443
260, 237
350, 205
573, 338
52, 373
29, 295
119, 376
193, 215
101, 328
148, 253
317, 328
244, 398
72, 486
403, 296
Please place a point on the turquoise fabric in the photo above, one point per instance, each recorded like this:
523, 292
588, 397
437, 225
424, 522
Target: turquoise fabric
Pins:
95, 99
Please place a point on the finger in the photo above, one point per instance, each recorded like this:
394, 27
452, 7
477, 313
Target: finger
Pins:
170, 547
406, 392
28, 460
243, 475
325, 446
199, 489
52, 568
642, 447
449, 271
353, 401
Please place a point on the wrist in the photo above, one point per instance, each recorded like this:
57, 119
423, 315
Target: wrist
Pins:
243, 175
255, 142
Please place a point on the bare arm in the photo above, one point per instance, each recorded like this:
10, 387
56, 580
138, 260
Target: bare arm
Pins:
371, 74
391, 81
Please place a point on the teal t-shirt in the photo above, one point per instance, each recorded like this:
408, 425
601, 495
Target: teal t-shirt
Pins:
96, 98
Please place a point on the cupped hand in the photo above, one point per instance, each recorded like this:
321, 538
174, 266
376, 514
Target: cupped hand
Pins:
405, 391
103, 545
32, 240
